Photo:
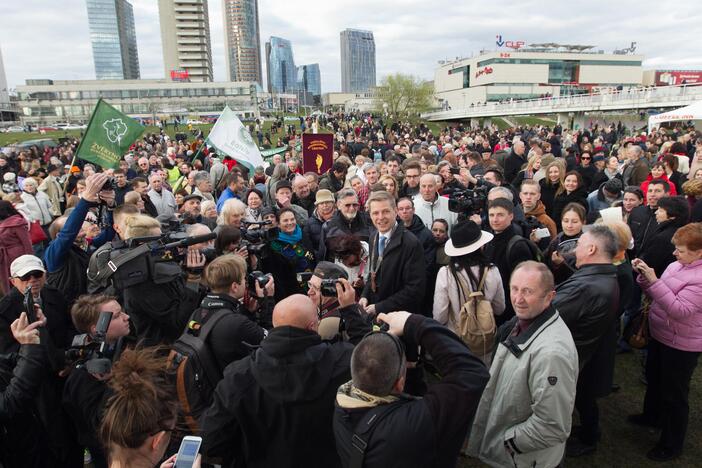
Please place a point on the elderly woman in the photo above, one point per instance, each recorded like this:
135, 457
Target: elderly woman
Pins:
675, 323
208, 209
233, 212
288, 256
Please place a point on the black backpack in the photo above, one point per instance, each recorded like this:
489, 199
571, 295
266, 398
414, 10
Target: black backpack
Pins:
536, 253
197, 371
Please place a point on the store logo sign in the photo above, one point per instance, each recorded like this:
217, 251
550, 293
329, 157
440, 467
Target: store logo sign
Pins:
511, 44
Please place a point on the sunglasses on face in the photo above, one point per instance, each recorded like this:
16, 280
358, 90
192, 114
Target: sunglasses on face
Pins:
36, 274
585, 159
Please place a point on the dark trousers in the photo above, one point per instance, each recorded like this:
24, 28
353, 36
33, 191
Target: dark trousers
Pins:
586, 404
668, 372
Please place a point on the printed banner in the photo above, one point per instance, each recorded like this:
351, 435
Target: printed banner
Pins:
317, 152
108, 137
230, 137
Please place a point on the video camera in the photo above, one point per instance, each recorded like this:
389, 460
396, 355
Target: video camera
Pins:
468, 201
255, 240
93, 352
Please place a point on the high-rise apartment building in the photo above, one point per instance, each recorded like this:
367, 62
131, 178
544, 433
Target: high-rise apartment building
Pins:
357, 61
113, 37
242, 40
185, 38
309, 80
280, 66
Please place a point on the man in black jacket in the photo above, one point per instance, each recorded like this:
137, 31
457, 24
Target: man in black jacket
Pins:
588, 302
325, 207
508, 249
347, 220
642, 219
515, 160
396, 265
397, 430
23, 442
275, 407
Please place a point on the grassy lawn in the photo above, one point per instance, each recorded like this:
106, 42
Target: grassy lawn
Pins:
528, 120
624, 445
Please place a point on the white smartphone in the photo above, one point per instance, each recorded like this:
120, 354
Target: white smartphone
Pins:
542, 233
189, 448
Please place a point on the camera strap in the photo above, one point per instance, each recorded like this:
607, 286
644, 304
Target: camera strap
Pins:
114, 264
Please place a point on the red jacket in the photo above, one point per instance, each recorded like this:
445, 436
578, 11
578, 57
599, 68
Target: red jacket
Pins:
644, 186
14, 241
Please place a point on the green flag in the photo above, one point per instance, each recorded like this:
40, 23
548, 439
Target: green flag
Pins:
108, 137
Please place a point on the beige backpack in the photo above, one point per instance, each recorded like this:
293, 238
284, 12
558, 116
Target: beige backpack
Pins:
476, 322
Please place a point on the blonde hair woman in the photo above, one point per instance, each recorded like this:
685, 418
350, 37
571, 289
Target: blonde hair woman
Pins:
233, 211
552, 184
390, 184
533, 165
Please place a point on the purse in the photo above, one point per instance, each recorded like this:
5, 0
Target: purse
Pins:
36, 233
639, 334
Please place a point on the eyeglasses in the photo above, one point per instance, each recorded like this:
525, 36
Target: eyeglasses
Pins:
585, 159
36, 274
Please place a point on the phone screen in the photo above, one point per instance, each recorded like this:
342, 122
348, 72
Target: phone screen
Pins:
187, 452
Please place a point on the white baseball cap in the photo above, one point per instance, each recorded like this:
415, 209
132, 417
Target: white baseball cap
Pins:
24, 264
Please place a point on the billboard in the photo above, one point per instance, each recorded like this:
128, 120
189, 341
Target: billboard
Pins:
317, 152
677, 77
180, 75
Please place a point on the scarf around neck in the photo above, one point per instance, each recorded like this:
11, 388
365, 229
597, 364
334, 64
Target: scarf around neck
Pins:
293, 238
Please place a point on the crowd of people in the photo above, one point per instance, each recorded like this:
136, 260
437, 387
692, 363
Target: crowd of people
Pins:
433, 295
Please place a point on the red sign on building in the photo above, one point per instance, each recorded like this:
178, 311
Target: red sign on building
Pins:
180, 75
678, 77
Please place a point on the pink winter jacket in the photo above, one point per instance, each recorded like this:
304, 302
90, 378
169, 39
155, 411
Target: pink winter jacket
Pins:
675, 317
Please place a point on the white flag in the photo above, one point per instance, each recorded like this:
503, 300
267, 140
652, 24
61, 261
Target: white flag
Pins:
230, 137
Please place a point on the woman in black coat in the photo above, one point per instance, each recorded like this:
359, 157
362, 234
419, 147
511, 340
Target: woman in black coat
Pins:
657, 252
552, 183
573, 192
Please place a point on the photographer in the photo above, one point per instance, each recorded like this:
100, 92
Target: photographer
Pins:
84, 393
21, 374
66, 257
388, 428
323, 292
241, 328
160, 305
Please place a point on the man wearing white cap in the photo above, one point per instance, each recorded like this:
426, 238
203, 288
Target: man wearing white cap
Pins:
28, 271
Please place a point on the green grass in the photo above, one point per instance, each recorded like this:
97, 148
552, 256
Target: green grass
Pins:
7, 139
528, 120
624, 445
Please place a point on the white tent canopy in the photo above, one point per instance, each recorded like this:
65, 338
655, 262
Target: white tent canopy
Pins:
691, 112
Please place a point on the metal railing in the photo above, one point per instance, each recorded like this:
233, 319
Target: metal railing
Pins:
635, 98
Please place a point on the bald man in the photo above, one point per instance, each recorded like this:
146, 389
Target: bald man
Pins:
275, 407
429, 206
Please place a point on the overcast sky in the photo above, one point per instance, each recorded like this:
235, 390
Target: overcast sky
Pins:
50, 39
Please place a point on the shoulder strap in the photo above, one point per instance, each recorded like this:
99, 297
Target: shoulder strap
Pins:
113, 265
482, 279
210, 322
364, 431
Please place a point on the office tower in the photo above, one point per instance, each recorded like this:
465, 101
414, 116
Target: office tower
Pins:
185, 37
280, 66
4, 91
242, 40
357, 61
308, 79
113, 38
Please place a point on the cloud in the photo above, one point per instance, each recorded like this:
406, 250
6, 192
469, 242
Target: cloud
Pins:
42, 39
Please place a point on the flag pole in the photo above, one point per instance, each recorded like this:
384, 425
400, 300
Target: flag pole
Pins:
75, 154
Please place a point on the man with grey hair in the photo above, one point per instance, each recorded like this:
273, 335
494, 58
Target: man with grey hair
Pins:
203, 186
163, 200
589, 303
429, 205
636, 169
346, 221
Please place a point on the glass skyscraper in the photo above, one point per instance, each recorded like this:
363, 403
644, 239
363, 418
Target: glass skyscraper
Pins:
357, 61
242, 40
113, 38
309, 80
280, 66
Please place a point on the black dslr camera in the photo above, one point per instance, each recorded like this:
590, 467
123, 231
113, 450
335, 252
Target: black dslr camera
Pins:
328, 287
257, 277
92, 352
110, 184
255, 240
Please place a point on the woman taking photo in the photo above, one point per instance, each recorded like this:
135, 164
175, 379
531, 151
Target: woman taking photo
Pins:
573, 192
675, 324
288, 257
552, 183
560, 255
462, 275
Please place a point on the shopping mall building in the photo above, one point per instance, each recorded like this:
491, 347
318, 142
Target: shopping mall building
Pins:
534, 71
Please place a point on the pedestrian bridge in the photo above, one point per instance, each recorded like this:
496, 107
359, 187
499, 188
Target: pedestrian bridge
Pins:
625, 100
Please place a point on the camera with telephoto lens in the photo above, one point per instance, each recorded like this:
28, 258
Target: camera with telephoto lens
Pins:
468, 201
257, 277
256, 240
93, 352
